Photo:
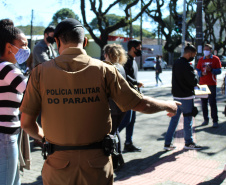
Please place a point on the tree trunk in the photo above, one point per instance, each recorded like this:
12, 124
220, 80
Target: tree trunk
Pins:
104, 41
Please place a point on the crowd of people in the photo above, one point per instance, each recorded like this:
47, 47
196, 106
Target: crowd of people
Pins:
67, 124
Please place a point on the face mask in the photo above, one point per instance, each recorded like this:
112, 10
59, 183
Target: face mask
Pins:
50, 40
137, 52
206, 53
22, 55
191, 58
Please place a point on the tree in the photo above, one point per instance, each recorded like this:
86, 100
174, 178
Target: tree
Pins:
37, 30
167, 26
123, 3
104, 26
62, 14
215, 16
136, 32
112, 19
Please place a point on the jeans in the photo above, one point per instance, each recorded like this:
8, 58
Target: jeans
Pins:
213, 104
9, 173
157, 78
128, 122
185, 108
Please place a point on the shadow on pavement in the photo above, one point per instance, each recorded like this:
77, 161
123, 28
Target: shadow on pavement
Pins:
146, 165
37, 182
221, 130
216, 180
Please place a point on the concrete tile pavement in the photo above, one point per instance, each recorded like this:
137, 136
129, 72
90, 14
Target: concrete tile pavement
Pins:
155, 166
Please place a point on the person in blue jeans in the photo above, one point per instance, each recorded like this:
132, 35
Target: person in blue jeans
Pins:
13, 49
183, 82
131, 69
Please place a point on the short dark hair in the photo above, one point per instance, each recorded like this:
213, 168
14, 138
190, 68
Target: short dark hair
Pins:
8, 33
133, 43
190, 48
49, 29
70, 31
209, 45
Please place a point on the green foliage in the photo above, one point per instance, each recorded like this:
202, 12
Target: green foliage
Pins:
37, 30
62, 14
136, 32
112, 19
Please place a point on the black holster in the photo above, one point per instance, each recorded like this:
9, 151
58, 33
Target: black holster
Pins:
47, 149
193, 113
109, 145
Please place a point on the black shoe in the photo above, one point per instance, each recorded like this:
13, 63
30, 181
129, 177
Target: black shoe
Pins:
215, 125
131, 148
192, 146
206, 122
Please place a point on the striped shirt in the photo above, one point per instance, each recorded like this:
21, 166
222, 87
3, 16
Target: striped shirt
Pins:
12, 87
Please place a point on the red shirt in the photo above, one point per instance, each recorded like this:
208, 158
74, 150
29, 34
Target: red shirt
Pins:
210, 78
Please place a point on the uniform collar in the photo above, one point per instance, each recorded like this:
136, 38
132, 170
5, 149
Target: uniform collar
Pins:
211, 56
73, 51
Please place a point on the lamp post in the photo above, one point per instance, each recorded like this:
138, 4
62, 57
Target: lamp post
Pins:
199, 33
141, 35
183, 28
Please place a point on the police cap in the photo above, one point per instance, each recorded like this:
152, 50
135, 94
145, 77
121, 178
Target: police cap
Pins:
66, 25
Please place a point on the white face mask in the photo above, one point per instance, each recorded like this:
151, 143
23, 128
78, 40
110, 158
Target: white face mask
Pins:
206, 53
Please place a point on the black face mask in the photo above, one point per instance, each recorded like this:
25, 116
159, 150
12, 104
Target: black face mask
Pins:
191, 58
50, 40
138, 52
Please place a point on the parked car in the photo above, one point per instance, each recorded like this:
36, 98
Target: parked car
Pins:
150, 63
223, 60
163, 64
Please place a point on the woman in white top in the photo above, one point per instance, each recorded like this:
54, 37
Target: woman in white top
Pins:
13, 49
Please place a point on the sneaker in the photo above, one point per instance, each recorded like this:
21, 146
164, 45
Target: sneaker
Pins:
131, 148
169, 147
206, 122
192, 146
156, 85
215, 124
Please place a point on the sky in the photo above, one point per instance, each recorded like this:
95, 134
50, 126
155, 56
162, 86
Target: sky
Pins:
20, 11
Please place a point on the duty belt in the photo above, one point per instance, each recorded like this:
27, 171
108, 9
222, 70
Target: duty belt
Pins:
49, 148
108, 144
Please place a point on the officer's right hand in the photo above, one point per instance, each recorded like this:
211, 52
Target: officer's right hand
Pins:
172, 108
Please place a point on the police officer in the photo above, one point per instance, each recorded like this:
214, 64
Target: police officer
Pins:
73, 91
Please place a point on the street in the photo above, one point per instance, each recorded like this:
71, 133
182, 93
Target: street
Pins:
148, 78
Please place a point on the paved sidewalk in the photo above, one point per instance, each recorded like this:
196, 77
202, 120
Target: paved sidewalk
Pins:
154, 166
